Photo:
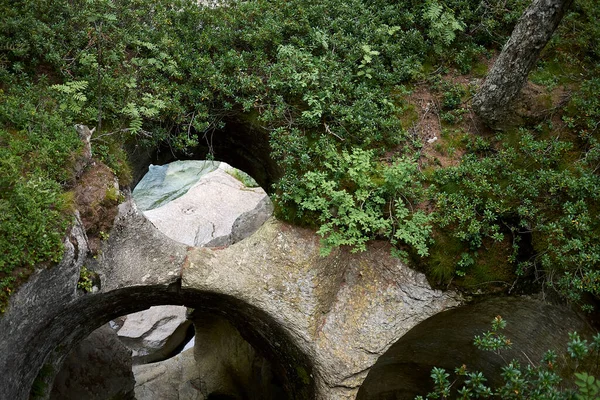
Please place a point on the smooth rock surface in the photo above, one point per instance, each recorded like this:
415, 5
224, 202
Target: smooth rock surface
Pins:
163, 183
216, 210
228, 365
153, 334
172, 379
343, 310
446, 340
321, 322
24, 343
222, 363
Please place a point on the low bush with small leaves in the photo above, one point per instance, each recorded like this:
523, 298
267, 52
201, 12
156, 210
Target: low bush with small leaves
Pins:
327, 82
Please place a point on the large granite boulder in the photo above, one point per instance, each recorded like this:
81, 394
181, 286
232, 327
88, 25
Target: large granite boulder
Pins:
154, 334
202, 203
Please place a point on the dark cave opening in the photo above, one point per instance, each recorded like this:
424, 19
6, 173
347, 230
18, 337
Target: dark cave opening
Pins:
238, 144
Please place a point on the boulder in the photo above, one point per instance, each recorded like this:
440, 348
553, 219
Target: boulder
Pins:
163, 183
154, 334
98, 368
217, 209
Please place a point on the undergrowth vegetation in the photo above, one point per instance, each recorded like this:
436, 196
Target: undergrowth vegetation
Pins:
330, 84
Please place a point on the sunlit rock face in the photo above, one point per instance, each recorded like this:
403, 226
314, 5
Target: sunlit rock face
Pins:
153, 334
202, 203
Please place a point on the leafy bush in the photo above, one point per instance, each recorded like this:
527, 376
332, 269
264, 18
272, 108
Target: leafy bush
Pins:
35, 163
326, 81
531, 188
356, 200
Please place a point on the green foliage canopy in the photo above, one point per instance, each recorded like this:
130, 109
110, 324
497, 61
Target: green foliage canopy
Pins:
327, 82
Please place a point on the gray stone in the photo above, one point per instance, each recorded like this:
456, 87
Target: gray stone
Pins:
343, 310
250, 221
446, 341
154, 334
222, 363
99, 368
172, 379
25, 345
227, 364
320, 321
83, 159
216, 211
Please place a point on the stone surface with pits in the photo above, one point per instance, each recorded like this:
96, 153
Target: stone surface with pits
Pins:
198, 203
202, 203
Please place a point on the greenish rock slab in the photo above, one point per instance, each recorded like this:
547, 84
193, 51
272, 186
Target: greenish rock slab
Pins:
164, 183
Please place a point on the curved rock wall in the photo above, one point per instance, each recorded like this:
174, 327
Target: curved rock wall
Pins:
24, 340
446, 340
321, 322
98, 368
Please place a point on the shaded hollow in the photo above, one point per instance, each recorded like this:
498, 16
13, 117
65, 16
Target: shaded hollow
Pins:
81, 318
239, 144
446, 340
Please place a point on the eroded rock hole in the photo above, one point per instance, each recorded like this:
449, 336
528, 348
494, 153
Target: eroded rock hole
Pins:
220, 364
201, 204
446, 340
239, 144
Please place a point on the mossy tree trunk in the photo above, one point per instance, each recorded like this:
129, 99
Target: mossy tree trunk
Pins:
494, 99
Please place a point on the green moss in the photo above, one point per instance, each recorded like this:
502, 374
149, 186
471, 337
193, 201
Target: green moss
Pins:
40, 385
479, 70
491, 267
554, 72
444, 255
243, 177
303, 375
409, 116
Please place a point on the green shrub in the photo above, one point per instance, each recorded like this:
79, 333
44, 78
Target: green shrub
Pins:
532, 188
35, 163
326, 82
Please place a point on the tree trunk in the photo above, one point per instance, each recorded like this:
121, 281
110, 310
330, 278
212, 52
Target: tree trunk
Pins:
508, 75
